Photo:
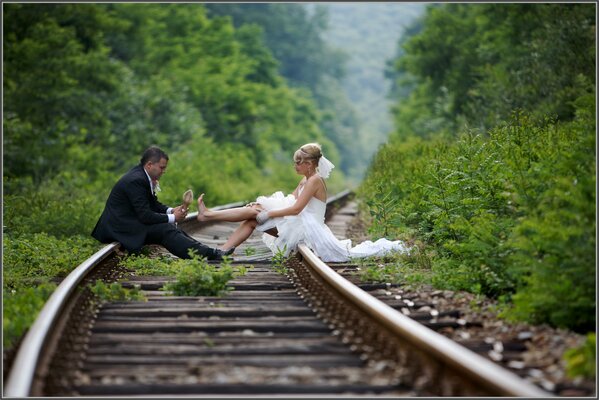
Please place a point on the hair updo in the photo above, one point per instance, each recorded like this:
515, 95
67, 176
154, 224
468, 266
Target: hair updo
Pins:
308, 152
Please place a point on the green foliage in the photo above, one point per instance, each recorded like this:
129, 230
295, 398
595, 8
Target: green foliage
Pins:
226, 75
196, 277
295, 36
116, 292
475, 63
20, 308
142, 265
380, 272
511, 214
29, 259
89, 86
382, 208
582, 361
490, 164
279, 261
411, 268
64, 206
30, 262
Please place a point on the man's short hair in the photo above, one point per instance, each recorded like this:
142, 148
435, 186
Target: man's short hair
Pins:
153, 154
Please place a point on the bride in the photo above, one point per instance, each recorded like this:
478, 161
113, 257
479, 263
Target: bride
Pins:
298, 217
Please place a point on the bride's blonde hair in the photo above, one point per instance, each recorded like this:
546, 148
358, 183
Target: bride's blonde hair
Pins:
309, 151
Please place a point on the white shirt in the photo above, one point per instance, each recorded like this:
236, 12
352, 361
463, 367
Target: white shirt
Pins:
169, 211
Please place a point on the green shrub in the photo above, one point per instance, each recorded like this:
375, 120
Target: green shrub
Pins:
144, 266
196, 277
509, 214
29, 259
554, 257
582, 361
64, 206
20, 308
115, 292
30, 263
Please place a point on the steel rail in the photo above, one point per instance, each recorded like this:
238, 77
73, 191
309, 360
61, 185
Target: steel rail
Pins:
21, 377
445, 351
338, 196
23, 369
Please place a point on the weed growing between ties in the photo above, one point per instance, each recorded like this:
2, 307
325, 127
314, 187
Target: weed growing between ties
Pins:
194, 276
250, 251
142, 265
279, 261
115, 291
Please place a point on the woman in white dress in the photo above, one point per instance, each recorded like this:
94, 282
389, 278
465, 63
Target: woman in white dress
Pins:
297, 218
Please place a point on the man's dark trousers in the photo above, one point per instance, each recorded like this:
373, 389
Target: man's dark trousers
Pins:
176, 241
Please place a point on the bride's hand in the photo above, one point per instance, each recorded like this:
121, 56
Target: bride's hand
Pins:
262, 217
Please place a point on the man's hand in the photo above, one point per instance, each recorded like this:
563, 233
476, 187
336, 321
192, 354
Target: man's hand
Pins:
180, 213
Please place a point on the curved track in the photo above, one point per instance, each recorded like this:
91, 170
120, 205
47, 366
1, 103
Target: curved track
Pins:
309, 332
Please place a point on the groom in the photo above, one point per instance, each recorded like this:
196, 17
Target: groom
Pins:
134, 217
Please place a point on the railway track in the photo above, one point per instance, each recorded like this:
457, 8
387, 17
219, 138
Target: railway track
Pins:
309, 332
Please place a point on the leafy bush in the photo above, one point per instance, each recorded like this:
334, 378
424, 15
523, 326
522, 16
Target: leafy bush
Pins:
20, 308
115, 292
144, 266
196, 277
582, 361
30, 259
509, 214
30, 263
66, 205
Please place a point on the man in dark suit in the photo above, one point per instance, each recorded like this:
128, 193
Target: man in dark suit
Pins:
134, 217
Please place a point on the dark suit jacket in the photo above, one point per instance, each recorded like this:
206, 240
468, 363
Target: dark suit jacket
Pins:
130, 209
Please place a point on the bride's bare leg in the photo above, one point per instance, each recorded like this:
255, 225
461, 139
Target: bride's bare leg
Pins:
243, 232
231, 215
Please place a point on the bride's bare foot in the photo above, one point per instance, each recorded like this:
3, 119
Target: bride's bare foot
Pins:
202, 209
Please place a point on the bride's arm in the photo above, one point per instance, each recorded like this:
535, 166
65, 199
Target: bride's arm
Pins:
310, 188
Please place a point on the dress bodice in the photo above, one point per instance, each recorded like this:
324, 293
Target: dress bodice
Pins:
316, 208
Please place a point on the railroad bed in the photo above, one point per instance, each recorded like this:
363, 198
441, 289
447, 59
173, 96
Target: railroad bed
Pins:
261, 338
273, 334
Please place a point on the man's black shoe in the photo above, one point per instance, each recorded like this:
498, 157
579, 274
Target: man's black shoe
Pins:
218, 253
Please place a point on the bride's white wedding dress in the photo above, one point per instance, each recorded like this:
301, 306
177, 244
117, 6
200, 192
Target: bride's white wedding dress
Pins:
308, 227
